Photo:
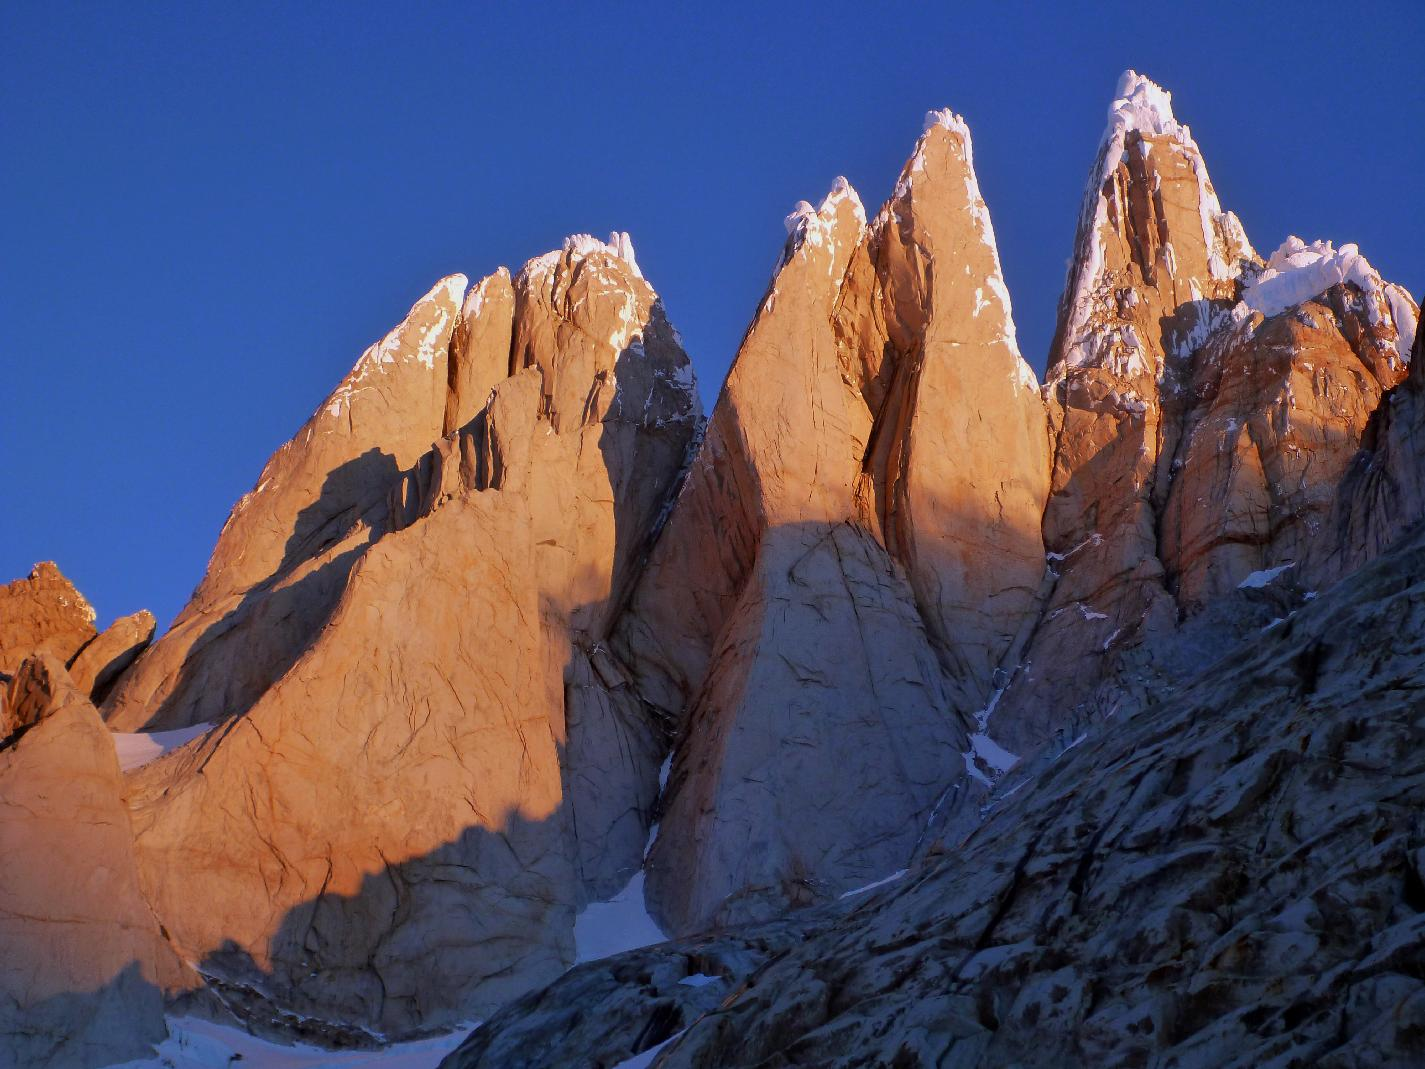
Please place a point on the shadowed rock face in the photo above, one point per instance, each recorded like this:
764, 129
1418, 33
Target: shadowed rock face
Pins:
84, 968
397, 830
1383, 493
1229, 874
853, 553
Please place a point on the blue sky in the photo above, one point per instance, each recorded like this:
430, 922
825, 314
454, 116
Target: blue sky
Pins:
211, 209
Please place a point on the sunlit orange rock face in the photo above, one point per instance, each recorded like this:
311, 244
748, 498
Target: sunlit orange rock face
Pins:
854, 551
84, 969
1204, 412
433, 759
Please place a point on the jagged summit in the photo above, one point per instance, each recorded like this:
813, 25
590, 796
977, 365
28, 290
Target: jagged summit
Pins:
580, 246
1150, 219
1141, 104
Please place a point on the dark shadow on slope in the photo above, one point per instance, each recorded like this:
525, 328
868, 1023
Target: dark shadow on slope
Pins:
117, 1022
241, 654
424, 945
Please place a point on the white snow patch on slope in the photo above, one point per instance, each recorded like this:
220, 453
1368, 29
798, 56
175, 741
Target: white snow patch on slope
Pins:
622, 923
644, 1060
702, 979
377, 356
892, 878
1257, 580
138, 748
194, 1043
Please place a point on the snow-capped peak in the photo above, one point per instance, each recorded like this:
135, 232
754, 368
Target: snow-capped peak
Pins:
816, 226
475, 296
581, 245
947, 119
1142, 104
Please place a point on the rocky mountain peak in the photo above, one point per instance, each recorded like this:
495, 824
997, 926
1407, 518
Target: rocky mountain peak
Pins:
935, 715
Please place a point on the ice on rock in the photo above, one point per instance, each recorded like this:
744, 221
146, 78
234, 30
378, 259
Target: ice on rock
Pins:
1142, 106
1299, 272
384, 352
619, 245
808, 226
475, 299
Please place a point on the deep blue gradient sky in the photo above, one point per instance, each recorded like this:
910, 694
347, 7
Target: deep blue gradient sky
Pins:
209, 209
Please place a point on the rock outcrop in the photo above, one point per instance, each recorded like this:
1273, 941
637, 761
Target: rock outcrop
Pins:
854, 552
1205, 406
42, 613
104, 659
433, 759
84, 968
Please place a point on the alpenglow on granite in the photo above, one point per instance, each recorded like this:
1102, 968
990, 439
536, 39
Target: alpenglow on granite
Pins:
904, 711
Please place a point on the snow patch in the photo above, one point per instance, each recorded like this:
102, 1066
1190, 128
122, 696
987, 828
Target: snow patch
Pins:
194, 1043
892, 878
579, 246
138, 748
644, 1060
702, 979
808, 226
622, 923
1298, 272
430, 340
1257, 580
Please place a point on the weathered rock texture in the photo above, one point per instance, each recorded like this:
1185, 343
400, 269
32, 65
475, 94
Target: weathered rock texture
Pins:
42, 613
437, 758
1230, 875
83, 967
1205, 407
855, 549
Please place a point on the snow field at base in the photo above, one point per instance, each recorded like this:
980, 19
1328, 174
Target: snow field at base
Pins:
622, 923
194, 1043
